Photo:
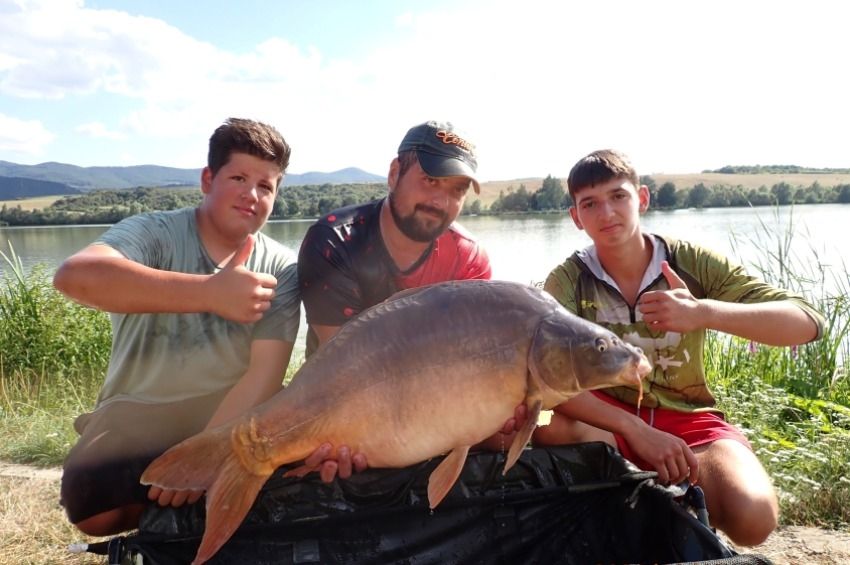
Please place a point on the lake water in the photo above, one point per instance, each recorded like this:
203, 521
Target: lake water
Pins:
526, 248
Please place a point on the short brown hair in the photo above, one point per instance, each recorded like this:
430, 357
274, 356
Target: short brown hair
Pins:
406, 159
237, 135
599, 167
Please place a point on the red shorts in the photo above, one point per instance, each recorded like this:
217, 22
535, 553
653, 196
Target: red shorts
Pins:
696, 428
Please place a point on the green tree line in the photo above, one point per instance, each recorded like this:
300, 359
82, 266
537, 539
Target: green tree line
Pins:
551, 196
311, 201
110, 206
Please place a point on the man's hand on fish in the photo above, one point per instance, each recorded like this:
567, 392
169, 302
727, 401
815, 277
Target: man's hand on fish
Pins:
669, 455
502, 439
175, 498
515, 424
342, 465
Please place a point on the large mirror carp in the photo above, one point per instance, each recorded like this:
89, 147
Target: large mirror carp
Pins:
429, 371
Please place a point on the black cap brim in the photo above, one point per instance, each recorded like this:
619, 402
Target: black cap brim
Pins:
442, 166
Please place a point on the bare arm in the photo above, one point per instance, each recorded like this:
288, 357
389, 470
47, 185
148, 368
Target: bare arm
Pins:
669, 455
262, 380
264, 377
101, 277
772, 323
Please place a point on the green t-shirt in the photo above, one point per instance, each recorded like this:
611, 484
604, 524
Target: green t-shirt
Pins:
677, 380
171, 357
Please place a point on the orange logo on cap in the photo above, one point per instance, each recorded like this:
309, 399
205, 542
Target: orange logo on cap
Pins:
454, 139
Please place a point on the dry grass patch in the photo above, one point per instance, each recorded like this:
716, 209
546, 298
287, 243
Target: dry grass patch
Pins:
490, 190
752, 181
36, 203
33, 527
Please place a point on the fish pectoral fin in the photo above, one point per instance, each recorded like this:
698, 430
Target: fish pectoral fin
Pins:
445, 475
523, 436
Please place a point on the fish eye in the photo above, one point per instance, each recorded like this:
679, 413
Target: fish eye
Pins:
601, 345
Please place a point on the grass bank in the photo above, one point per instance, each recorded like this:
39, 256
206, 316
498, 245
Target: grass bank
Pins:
793, 403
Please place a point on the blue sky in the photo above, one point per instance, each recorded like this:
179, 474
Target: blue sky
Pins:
680, 86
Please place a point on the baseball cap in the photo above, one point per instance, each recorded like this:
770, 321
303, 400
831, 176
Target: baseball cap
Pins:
442, 152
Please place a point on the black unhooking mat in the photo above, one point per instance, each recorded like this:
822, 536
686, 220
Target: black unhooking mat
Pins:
571, 504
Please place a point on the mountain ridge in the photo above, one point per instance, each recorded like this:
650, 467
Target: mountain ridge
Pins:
121, 177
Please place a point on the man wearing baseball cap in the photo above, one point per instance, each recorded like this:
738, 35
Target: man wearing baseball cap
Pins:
358, 256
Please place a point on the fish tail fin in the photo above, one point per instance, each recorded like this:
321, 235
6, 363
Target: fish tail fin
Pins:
207, 462
191, 464
228, 501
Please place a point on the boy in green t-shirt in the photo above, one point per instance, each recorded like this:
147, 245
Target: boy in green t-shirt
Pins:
205, 311
662, 294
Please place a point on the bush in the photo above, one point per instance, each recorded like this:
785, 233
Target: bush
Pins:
42, 333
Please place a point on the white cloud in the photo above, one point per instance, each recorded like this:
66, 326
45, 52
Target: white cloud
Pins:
97, 129
27, 137
679, 86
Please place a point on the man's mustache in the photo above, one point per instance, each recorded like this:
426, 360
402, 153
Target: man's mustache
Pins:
431, 210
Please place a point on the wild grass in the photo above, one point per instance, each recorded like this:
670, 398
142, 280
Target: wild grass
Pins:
33, 527
52, 357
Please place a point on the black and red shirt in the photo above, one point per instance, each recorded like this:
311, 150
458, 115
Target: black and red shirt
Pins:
344, 267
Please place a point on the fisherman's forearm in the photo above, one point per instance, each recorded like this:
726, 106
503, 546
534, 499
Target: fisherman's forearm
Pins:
779, 323
588, 409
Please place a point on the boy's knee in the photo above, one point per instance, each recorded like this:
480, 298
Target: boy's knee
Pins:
112, 521
752, 521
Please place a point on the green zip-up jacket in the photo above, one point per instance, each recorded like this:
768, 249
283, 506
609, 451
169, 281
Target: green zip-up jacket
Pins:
677, 381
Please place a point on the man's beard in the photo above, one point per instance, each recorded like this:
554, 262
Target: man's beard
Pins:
413, 227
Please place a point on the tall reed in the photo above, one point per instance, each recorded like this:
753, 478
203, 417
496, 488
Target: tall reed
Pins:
792, 402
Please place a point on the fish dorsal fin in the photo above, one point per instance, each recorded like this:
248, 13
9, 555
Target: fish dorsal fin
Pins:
522, 437
445, 475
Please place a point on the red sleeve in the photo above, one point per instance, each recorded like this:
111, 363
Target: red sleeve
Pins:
477, 264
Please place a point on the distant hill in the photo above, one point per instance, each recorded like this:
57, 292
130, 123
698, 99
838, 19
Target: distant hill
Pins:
93, 178
13, 188
775, 169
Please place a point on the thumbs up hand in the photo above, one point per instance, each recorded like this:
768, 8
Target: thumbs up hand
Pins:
240, 295
672, 278
674, 310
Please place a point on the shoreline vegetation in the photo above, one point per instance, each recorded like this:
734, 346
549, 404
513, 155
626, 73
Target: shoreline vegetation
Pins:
726, 187
792, 403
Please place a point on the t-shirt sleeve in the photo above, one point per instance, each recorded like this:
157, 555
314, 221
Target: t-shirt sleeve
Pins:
478, 264
728, 281
143, 238
329, 288
562, 286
